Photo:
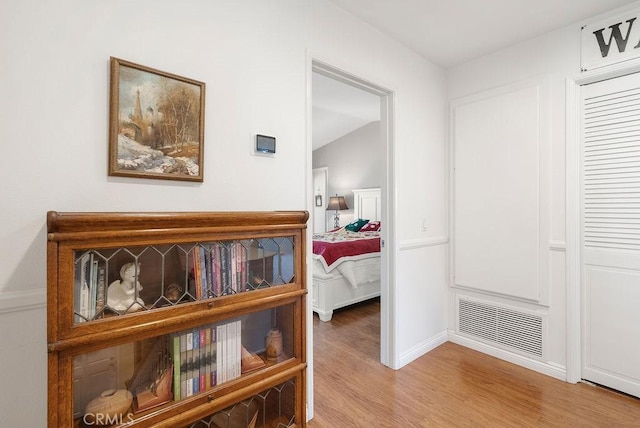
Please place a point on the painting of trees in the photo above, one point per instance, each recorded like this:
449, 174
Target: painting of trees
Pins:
157, 123
178, 106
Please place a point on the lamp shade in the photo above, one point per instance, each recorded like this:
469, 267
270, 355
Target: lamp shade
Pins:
337, 203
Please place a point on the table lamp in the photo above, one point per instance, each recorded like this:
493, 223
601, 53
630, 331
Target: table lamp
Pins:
337, 203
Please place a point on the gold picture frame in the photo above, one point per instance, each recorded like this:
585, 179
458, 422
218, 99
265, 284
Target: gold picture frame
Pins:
156, 123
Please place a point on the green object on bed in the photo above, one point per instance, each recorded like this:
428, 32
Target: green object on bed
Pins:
355, 225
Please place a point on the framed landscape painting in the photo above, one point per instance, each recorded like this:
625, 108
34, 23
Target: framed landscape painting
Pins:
156, 127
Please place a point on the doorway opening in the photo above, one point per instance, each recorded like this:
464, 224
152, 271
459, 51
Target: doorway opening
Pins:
384, 129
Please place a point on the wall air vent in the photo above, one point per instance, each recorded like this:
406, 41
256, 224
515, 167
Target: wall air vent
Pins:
510, 328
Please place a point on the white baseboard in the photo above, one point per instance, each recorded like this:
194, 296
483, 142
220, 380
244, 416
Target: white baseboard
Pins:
548, 369
421, 349
15, 301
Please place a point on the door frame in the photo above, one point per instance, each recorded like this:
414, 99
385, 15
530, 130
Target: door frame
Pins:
388, 354
573, 207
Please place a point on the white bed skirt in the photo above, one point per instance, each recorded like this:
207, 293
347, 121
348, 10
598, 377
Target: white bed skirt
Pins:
333, 290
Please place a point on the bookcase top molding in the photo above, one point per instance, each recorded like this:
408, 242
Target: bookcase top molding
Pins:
59, 224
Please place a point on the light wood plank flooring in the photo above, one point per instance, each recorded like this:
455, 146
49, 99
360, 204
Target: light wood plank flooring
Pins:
451, 386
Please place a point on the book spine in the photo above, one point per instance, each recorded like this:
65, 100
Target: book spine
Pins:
93, 288
219, 354
222, 353
224, 253
101, 289
203, 269
214, 354
212, 263
84, 301
176, 366
244, 268
234, 267
84, 287
238, 247
189, 391
237, 352
184, 360
229, 352
207, 356
208, 284
203, 359
196, 361
217, 287
192, 273
198, 273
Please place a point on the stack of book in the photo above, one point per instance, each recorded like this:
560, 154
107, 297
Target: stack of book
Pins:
90, 286
220, 269
204, 357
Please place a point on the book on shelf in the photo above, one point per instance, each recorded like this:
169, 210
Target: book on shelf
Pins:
244, 268
205, 337
183, 365
93, 287
197, 273
237, 351
195, 373
231, 334
101, 287
175, 358
203, 272
233, 267
205, 255
205, 356
190, 358
217, 270
213, 359
222, 269
224, 256
229, 354
222, 354
84, 295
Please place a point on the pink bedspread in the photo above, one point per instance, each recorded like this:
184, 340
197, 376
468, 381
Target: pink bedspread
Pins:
334, 247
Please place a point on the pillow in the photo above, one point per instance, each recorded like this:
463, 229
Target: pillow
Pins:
372, 226
355, 225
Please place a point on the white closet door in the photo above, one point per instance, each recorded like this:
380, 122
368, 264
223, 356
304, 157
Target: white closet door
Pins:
611, 234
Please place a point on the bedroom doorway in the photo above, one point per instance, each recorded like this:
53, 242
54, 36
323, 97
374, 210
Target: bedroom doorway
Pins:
344, 184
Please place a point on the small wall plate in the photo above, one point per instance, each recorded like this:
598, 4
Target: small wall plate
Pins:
265, 145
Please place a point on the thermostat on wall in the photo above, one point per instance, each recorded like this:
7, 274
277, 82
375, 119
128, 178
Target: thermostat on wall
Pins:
265, 144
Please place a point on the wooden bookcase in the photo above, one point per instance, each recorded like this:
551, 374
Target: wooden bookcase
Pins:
176, 319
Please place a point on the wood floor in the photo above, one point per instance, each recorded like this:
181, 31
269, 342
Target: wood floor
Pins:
451, 386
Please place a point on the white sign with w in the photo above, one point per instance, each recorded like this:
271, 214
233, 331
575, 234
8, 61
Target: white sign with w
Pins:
611, 40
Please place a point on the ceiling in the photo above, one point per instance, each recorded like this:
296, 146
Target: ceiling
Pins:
451, 32
447, 33
339, 109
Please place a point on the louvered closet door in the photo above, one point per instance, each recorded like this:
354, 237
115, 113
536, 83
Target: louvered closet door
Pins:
611, 234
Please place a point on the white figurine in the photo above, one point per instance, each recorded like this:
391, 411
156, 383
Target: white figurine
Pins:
122, 295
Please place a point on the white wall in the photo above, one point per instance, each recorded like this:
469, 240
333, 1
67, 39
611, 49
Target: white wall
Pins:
551, 57
254, 57
354, 161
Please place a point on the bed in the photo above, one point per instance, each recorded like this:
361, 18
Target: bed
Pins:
346, 264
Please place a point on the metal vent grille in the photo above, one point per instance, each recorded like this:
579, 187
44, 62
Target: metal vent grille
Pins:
514, 329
